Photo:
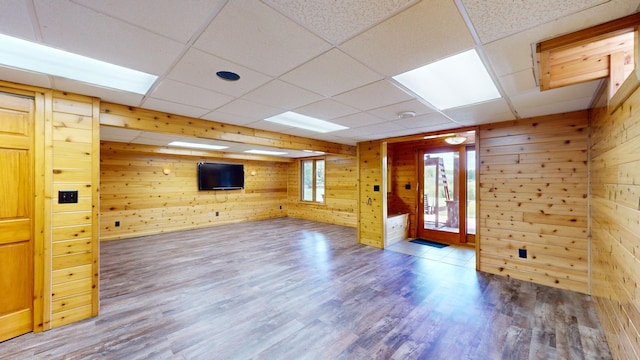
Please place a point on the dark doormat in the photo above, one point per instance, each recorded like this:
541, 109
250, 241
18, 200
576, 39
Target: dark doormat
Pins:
428, 243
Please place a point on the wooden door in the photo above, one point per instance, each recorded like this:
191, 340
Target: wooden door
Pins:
442, 181
16, 215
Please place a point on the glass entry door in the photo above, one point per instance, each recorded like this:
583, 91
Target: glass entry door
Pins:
442, 214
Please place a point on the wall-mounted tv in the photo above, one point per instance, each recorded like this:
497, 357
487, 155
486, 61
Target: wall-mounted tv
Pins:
219, 176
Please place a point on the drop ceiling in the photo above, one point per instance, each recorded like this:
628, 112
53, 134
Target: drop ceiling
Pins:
327, 59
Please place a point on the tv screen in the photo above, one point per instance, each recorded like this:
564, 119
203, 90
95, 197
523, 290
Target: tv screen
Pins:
217, 176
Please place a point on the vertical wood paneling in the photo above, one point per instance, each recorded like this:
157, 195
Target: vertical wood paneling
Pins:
403, 171
135, 192
341, 193
74, 240
372, 204
615, 223
533, 195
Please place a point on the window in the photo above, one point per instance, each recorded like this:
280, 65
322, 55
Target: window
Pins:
312, 180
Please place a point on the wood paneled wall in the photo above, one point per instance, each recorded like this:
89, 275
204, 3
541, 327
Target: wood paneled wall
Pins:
615, 223
533, 195
66, 252
341, 193
402, 169
135, 192
372, 203
75, 154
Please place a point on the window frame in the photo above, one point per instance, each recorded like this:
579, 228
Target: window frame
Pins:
314, 180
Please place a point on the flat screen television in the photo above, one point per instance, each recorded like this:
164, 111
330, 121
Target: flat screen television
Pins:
219, 176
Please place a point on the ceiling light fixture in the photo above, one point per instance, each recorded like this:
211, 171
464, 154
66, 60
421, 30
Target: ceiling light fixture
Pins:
455, 81
228, 75
406, 114
291, 118
265, 152
26, 55
197, 145
455, 140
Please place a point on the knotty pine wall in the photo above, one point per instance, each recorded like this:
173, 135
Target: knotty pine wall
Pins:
372, 168
135, 192
533, 194
402, 171
615, 223
74, 227
341, 193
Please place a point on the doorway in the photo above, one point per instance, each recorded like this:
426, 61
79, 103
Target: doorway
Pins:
446, 211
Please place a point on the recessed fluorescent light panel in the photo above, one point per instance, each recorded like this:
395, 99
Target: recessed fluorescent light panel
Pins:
197, 145
291, 118
21, 54
265, 152
455, 81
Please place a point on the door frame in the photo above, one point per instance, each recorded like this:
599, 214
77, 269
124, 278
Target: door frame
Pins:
448, 237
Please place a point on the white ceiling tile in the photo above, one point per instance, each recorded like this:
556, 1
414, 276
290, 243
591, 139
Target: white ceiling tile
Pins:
339, 20
108, 133
282, 95
177, 92
199, 68
326, 110
249, 109
104, 38
357, 120
154, 15
254, 35
227, 118
331, 73
173, 108
514, 53
565, 99
426, 120
15, 19
495, 19
526, 111
518, 83
482, 113
432, 128
268, 126
375, 95
426, 32
391, 112
382, 129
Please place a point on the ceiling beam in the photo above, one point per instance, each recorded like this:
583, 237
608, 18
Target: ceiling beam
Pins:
118, 147
147, 120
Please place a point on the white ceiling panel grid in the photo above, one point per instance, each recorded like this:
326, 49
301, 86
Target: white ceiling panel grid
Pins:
333, 60
254, 35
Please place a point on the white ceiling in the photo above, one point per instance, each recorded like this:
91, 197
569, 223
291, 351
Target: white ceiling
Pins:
328, 59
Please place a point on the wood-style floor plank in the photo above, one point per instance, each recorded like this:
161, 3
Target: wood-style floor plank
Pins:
294, 289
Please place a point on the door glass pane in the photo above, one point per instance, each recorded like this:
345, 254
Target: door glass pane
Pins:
441, 199
307, 180
320, 180
471, 192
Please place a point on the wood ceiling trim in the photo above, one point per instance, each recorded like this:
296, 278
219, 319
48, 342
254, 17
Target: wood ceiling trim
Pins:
146, 120
585, 55
117, 147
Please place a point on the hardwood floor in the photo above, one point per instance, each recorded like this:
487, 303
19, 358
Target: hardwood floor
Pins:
294, 289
